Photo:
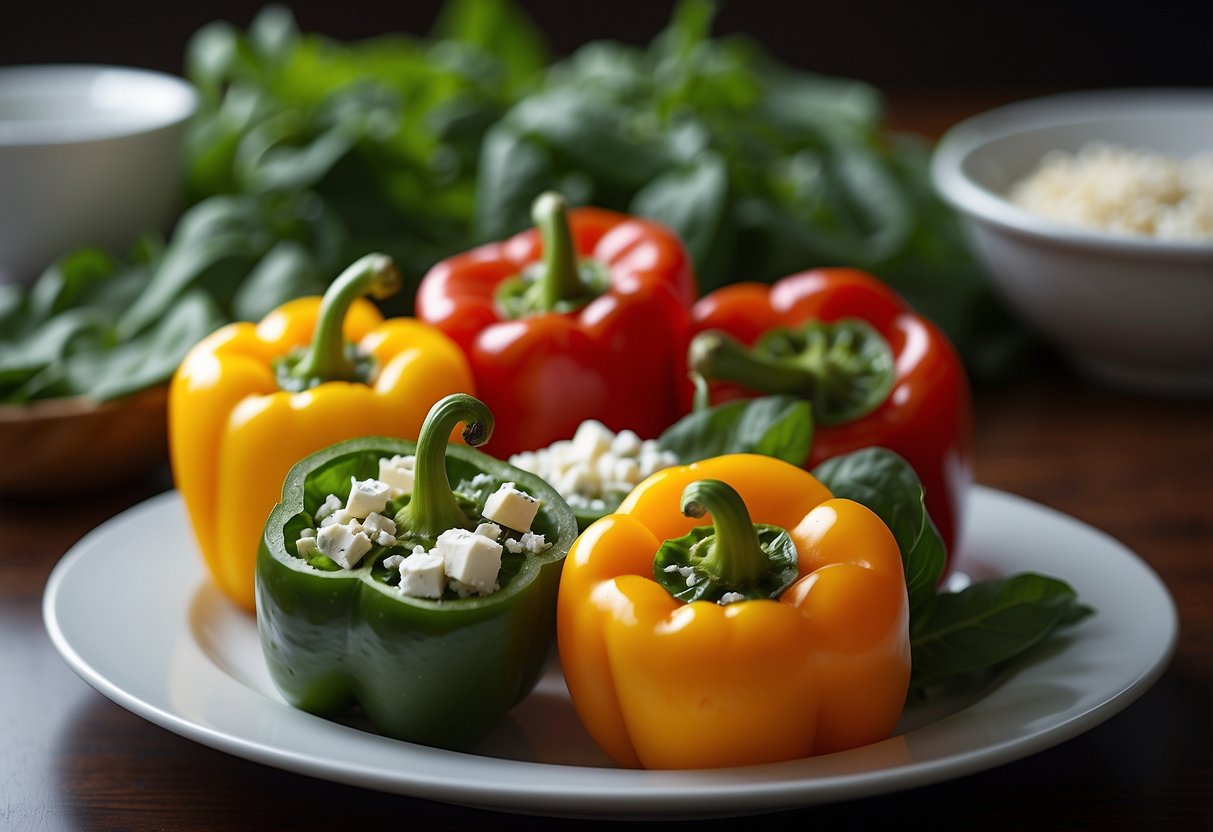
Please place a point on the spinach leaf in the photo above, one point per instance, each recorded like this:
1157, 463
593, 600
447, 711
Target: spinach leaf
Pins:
951, 633
778, 426
884, 482
991, 622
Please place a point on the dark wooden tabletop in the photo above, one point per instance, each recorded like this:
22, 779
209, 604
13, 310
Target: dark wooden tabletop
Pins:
1140, 469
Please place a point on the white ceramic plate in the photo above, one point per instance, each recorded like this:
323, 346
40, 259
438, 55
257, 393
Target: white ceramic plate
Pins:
132, 610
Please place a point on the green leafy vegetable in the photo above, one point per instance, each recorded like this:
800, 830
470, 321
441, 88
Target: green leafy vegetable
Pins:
952, 634
778, 426
421, 147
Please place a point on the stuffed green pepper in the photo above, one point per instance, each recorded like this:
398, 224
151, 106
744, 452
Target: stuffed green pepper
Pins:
380, 586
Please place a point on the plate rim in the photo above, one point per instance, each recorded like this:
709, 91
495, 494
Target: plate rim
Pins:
654, 795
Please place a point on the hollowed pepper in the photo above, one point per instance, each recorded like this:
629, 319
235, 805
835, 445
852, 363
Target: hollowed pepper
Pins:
440, 672
876, 372
250, 400
584, 317
808, 654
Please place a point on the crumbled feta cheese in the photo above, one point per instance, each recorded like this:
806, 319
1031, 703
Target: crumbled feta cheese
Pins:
307, 533
398, 472
342, 545
596, 465
481, 481
534, 543
489, 530
512, 508
592, 439
730, 598
305, 547
340, 517
687, 572
376, 522
331, 503
392, 561
366, 497
422, 575
471, 559
626, 444
514, 546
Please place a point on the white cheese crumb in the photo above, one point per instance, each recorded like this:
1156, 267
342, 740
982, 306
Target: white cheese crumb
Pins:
305, 547
366, 497
392, 561
730, 598
512, 508
480, 481
398, 472
342, 545
534, 543
490, 530
596, 465
331, 503
471, 559
340, 517
422, 575
376, 522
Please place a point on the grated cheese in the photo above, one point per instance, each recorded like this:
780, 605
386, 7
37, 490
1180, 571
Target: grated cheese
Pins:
1113, 188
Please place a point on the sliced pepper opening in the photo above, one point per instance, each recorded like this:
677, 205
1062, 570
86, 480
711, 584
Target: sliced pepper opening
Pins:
844, 368
561, 281
734, 559
329, 357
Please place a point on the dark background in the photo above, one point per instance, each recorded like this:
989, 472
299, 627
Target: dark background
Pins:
955, 44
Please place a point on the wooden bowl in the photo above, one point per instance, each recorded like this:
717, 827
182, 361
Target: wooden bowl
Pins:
80, 445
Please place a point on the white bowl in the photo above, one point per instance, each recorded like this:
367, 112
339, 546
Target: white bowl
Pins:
1132, 311
89, 155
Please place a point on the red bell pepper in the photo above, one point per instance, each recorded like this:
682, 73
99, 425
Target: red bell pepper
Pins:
584, 317
876, 372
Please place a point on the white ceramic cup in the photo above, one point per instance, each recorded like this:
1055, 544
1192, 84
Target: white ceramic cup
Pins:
89, 155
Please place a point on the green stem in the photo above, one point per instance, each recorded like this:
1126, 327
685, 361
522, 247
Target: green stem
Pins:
433, 508
734, 555
560, 277
715, 355
845, 368
326, 358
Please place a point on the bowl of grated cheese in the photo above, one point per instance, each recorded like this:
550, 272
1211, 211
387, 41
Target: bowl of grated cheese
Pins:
1093, 214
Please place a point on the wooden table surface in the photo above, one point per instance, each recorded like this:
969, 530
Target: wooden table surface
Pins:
1140, 469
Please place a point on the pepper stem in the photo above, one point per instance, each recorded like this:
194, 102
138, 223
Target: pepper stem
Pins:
560, 278
844, 368
734, 556
433, 508
325, 358
715, 355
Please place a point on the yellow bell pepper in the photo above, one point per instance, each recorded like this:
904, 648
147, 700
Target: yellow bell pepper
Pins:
251, 400
821, 666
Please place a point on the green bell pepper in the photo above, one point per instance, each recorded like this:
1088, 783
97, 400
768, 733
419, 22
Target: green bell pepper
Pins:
439, 672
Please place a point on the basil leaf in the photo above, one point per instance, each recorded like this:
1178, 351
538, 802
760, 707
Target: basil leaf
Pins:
287, 271
693, 200
884, 482
991, 622
152, 357
778, 426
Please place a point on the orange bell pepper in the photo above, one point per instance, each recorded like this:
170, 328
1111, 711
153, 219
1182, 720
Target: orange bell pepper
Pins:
822, 666
251, 400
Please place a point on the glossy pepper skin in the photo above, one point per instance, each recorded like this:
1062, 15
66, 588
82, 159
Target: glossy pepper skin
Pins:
439, 672
614, 351
234, 431
661, 684
927, 415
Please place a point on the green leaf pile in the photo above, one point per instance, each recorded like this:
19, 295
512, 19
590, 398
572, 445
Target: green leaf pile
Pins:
307, 152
